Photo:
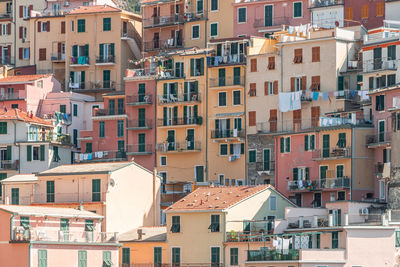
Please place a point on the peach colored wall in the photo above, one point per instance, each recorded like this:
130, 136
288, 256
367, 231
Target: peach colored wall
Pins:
143, 252
14, 254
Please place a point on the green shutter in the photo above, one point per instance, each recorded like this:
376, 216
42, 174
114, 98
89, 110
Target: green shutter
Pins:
184, 112
192, 67
75, 51
96, 187
86, 50
3, 127
126, 256
306, 143
75, 110
83, 76
158, 256
287, 144
107, 258
42, 258
252, 156
42, 156
231, 149
165, 91
82, 258
312, 142
282, 145
112, 49
295, 174
9, 151
340, 83
307, 173
201, 66
165, 112
242, 148
101, 51
185, 91
29, 153
175, 114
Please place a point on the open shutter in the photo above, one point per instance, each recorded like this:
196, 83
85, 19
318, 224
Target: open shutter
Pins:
165, 116
312, 141
307, 173
175, 114
41, 152
62, 27
21, 32
165, 92
196, 86
184, 113
59, 48
39, 26
303, 83
266, 88
9, 151
195, 111
282, 145
9, 28
306, 143
292, 84
275, 87
21, 11
287, 144
86, 50
295, 174
202, 66
30, 9
175, 89
231, 149
48, 26
29, 153
20, 51
101, 51
192, 67
185, 92
112, 49
75, 51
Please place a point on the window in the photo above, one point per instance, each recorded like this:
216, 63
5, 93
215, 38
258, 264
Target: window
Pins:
285, 144
364, 11
35, 153
50, 191
309, 142
199, 174
252, 118
4, 29
339, 171
214, 5
298, 56
42, 258
271, 63
215, 256
391, 79
342, 140
25, 11
297, 9
242, 15
234, 256
89, 226
215, 224
380, 7
24, 221
176, 256
197, 67
101, 129
316, 54
106, 24
88, 148
82, 258
253, 89
236, 98
14, 105
2, 177
252, 155
272, 203
56, 156
298, 84
195, 31
15, 196
120, 128
335, 239
157, 251
349, 13
72, 26
341, 195
221, 179
96, 190
200, 6
315, 83
3, 127
121, 147
223, 149
214, 29
107, 259
45, 26
176, 224
75, 113
253, 65
126, 257
81, 25
380, 102
42, 54
222, 99
397, 239
163, 161
391, 52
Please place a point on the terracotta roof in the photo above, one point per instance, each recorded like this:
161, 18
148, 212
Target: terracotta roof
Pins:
49, 211
16, 114
215, 198
23, 78
93, 9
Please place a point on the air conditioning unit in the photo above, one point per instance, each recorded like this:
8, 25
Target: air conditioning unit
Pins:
364, 211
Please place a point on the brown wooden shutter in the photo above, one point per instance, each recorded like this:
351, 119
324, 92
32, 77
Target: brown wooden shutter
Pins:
20, 53
62, 26
315, 113
21, 32
297, 117
266, 88
273, 120
21, 11
9, 52
275, 87
29, 10
253, 89
42, 54
316, 54
253, 66
9, 28
59, 48
1, 53
252, 118
303, 83
48, 26
271, 63
292, 84
39, 26
315, 83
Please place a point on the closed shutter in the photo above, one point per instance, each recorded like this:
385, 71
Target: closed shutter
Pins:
62, 27
252, 118
9, 151
20, 52
42, 155
201, 66
29, 153
266, 88
39, 26
282, 145
192, 67
303, 83
253, 65
21, 32
295, 174
316, 54
48, 26
306, 145
292, 89
275, 87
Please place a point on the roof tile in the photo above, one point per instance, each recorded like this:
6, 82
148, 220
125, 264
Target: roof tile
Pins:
16, 114
93, 9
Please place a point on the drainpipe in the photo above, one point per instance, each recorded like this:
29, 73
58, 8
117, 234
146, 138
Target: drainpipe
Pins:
275, 144
206, 114
246, 170
223, 237
154, 197
353, 141
15, 29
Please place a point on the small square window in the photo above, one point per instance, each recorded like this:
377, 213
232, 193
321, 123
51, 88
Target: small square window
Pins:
214, 29
195, 31
223, 149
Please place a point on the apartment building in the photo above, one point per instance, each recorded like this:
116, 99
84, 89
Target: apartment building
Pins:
320, 68
103, 188
210, 214
263, 18
43, 236
392, 184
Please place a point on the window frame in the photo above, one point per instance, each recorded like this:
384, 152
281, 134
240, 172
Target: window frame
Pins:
211, 24
294, 4
175, 226
220, 149
226, 98
198, 37
245, 15
233, 97
211, 6
215, 227
271, 208
81, 27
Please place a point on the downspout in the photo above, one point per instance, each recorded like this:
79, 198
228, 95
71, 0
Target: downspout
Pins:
352, 161
246, 171
19, 147
15, 29
223, 237
154, 197
34, 42
275, 143
206, 115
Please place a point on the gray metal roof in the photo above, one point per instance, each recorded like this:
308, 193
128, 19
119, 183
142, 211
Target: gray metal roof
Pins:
41, 211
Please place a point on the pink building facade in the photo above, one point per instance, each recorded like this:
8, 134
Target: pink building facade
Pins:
42, 236
261, 18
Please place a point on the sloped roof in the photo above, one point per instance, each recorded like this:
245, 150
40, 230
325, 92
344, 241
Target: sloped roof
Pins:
23, 78
149, 234
94, 9
49, 211
216, 198
20, 178
16, 114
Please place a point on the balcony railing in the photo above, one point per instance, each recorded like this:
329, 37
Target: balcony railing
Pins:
325, 3
186, 146
215, 61
380, 64
19, 234
221, 82
311, 185
140, 149
7, 60
194, 16
271, 22
82, 60
263, 165
180, 121
135, 124
163, 21
249, 236
9, 165
105, 59
58, 57
379, 138
82, 196
272, 255
76, 85
162, 44
108, 112
7, 15
18, 95
48, 137
179, 98
140, 99
216, 134
332, 153
100, 156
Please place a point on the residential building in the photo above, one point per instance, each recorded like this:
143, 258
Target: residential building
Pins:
43, 236
226, 111
210, 214
144, 246
30, 144
390, 166
263, 18
345, 233
391, 10
103, 188
25, 92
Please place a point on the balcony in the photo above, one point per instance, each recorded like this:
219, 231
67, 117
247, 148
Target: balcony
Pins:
163, 21
139, 100
272, 255
216, 134
76, 86
332, 153
194, 16
140, 149
64, 139
135, 124
379, 139
311, 185
263, 165
100, 156
100, 86
58, 57
18, 95
173, 147
169, 74
9, 165
180, 121
380, 64
105, 60
325, 3
6, 15
271, 22
237, 81
382, 170
217, 61
21, 235
7, 60
70, 197
179, 98
162, 44
82, 61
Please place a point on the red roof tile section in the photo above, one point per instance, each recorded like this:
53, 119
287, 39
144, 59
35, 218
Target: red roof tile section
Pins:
16, 114
94, 9
215, 198
23, 78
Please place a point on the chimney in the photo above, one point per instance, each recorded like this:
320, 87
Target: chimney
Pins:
140, 234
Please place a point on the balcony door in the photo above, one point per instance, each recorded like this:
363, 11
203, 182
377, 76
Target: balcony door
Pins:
268, 13
381, 131
377, 58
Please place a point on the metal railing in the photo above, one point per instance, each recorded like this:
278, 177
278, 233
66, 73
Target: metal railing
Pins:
377, 138
82, 60
271, 22
325, 3
380, 64
186, 146
178, 98
215, 61
180, 121
58, 57
162, 44
249, 236
220, 82
48, 137
82, 196
334, 153
9, 165
272, 255
311, 185
110, 155
163, 21
194, 16
100, 85
108, 112
263, 165
215, 134
140, 124
76, 85
140, 99
138, 149
7, 15
13, 95
105, 59
7, 60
